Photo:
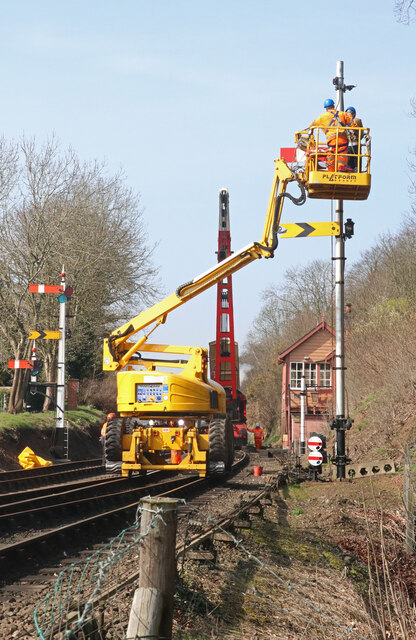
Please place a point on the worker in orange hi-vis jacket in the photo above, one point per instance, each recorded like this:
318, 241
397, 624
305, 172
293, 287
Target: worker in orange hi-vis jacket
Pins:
258, 435
110, 416
337, 141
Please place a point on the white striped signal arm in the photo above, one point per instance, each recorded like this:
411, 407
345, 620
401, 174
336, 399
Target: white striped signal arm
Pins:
20, 364
45, 288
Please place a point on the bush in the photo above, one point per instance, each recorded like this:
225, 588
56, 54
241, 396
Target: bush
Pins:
100, 393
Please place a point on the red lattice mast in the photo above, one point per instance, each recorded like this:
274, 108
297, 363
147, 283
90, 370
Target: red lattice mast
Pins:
225, 356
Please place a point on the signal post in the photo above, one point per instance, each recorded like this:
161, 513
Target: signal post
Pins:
60, 440
340, 423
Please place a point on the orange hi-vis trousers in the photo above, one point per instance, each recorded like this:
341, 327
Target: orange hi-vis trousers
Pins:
338, 148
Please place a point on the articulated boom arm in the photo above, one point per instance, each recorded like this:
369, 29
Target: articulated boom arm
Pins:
118, 352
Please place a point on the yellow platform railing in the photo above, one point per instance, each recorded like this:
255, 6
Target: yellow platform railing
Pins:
336, 161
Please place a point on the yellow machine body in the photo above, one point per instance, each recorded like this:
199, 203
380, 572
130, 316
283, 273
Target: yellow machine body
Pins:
154, 393
341, 185
170, 405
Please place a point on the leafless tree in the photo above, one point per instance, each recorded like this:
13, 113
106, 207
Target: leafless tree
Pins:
288, 312
58, 211
405, 11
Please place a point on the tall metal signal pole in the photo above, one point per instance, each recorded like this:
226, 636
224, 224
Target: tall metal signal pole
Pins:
60, 445
340, 423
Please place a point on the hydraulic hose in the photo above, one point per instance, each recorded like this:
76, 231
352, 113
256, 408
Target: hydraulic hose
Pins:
112, 338
299, 201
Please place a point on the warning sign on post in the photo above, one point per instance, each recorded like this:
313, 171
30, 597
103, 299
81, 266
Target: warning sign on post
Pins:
315, 443
315, 458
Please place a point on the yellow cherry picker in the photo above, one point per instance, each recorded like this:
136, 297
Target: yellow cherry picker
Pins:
172, 416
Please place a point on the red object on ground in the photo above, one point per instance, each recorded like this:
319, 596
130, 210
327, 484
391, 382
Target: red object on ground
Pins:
258, 471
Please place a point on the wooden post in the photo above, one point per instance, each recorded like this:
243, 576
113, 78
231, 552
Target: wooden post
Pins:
151, 615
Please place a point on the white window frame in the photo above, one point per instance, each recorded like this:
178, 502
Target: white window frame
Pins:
308, 369
325, 375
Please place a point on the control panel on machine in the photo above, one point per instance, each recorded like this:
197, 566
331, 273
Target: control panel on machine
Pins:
151, 392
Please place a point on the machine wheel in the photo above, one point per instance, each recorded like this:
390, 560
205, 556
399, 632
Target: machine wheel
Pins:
221, 442
113, 435
230, 443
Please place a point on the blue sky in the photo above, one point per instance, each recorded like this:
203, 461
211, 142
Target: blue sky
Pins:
189, 97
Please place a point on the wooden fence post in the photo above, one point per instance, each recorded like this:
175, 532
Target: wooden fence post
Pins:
151, 615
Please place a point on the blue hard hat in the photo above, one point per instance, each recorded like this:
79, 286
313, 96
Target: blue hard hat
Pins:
329, 103
353, 111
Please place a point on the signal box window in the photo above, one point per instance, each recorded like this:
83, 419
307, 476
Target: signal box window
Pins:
297, 369
310, 374
325, 375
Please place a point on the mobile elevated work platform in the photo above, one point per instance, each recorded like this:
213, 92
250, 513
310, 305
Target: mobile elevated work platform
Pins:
177, 420
317, 159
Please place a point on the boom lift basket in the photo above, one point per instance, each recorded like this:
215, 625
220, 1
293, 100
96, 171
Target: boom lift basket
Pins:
335, 170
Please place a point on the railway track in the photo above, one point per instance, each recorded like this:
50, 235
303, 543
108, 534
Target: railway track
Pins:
41, 558
185, 545
13, 481
105, 507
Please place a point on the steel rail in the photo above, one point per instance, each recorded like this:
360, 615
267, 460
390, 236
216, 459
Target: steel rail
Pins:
42, 544
10, 480
7, 499
181, 549
73, 464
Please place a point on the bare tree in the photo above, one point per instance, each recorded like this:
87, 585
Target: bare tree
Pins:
405, 11
289, 311
58, 211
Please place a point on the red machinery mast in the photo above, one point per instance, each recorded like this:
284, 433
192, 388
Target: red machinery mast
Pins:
225, 348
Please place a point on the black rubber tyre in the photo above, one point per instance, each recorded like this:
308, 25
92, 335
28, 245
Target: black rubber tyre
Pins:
113, 435
221, 447
230, 444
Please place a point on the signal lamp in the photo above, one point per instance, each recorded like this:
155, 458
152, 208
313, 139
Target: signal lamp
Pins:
348, 228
